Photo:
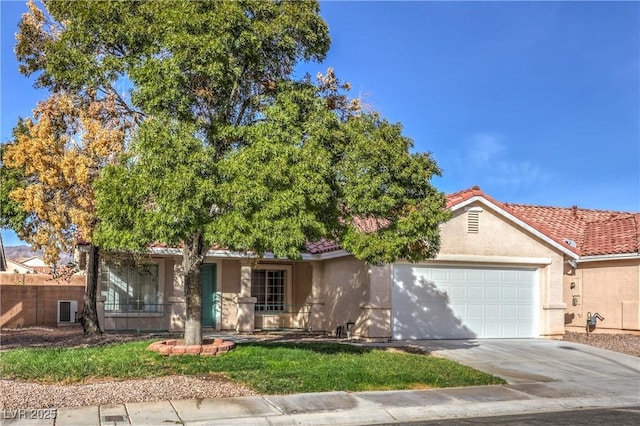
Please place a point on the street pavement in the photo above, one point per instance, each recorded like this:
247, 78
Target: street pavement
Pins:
543, 376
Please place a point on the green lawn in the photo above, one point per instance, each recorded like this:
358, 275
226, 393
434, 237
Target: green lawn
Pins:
269, 368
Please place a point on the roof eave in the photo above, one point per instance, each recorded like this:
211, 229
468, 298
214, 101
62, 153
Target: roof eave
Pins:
605, 257
170, 251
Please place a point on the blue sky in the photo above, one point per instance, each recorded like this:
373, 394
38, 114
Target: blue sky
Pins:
535, 102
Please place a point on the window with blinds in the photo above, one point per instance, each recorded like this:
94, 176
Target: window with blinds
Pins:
130, 288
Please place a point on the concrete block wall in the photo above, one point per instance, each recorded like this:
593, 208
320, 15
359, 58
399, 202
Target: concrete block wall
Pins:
32, 299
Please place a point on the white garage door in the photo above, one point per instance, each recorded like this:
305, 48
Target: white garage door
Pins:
463, 302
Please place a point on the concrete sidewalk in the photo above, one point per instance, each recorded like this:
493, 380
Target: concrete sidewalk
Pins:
330, 408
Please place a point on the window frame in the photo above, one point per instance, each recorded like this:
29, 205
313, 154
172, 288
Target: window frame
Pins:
159, 312
288, 270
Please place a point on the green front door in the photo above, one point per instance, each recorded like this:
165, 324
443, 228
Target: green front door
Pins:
208, 279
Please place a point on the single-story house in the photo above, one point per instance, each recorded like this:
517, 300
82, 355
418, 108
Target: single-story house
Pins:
503, 271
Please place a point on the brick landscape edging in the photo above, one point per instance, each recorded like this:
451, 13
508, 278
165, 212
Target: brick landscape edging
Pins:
177, 347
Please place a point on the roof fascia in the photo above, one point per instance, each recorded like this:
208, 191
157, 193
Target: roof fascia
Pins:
475, 259
604, 257
162, 251
515, 220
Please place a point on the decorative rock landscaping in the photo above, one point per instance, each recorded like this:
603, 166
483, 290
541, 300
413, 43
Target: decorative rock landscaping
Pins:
177, 347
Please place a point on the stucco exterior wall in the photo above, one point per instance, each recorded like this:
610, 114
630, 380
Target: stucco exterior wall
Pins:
500, 242
345, 286
610, 288
229, 289
301, 286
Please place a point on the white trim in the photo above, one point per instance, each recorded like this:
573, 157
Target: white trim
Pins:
603, 257
218, 300
517, 221
472, 258
162, 251
218, 295
537, 301
328, 255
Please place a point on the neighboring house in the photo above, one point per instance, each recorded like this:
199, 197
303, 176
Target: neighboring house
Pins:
504, 270
29, 265
32, 261
15, 266
37, 264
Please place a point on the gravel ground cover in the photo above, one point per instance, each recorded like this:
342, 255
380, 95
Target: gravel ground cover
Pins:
17, 394
626, 343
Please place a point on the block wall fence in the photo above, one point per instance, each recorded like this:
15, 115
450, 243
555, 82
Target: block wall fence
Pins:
32, 299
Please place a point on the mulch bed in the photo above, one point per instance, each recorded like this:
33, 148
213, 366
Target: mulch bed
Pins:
64, 337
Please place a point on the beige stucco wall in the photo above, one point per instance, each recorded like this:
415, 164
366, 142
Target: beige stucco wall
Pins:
228, 289
345, 286
503, 243
610, 288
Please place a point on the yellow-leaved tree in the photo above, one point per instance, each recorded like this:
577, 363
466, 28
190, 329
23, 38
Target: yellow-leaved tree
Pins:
59, 153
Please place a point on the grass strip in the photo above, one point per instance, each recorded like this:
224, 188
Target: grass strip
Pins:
268, 368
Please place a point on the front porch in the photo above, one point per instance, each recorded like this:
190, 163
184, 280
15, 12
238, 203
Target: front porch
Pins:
246, 295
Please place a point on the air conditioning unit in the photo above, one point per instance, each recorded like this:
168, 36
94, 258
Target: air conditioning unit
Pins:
67, 311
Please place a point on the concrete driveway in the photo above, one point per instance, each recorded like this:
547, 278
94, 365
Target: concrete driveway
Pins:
545, 368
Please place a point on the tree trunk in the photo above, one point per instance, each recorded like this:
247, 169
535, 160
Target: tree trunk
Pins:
192, 260
89, 316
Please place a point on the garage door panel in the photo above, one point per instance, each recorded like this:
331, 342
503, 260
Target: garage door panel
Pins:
456, 292
472, 275
510, 329
509, 276
492, 312
475, 293
525, 314
509, 294
463, 302
491, 275
509, 312
439, 275
475, 312
456, 276
492, 293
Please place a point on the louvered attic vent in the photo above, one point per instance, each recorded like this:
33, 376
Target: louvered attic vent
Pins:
473, 220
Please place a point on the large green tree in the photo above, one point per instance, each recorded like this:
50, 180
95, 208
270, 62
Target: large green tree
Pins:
230, 149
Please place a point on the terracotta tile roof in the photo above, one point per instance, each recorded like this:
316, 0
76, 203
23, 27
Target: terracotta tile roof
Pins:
586, 232
365, 225
322, 246
616, 235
